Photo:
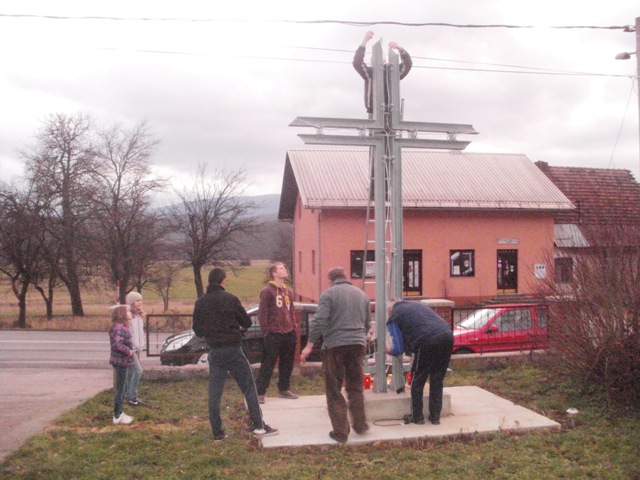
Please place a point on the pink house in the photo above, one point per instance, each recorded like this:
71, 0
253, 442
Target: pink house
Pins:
475, 224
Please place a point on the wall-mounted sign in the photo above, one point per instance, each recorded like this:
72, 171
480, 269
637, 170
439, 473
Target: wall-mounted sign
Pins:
508, 241
540, 271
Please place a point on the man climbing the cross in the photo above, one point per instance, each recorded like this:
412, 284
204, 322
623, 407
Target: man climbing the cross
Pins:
366, 71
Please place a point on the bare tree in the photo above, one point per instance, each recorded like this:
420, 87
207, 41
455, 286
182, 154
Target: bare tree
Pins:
20, 246
209, 219
595, 328
60, 165
48, 276
282, 251
163, 276
123, 230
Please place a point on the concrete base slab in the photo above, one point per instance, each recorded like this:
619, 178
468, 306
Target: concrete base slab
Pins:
305, 421
387, 405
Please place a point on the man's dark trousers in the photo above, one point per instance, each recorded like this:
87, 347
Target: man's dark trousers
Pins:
345, 364
431, 360
234, 361
279, 347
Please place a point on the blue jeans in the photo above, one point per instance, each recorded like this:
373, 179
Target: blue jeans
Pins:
121, 375
231, 360
134, 372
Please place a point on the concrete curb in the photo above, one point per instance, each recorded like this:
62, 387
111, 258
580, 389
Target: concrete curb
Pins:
164, 372
485, 361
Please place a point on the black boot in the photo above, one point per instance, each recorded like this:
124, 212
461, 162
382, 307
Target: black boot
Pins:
419, 420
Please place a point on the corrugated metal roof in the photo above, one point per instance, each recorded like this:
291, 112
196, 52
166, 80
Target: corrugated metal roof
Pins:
569, 236
431, 179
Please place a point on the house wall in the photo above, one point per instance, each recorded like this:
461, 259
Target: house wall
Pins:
436, 233
306, 241
334, 233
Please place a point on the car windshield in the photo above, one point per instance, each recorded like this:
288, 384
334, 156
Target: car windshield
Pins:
477, 318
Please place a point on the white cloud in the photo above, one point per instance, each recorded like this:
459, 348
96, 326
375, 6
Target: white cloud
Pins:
226, 90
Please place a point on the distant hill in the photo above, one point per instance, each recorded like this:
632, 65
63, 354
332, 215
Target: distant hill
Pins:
273, 241
267, 205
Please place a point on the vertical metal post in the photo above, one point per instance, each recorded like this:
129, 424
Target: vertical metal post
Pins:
638, 72
381, 288
379, 180
395, 169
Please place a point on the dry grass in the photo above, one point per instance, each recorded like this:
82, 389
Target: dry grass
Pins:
247, 285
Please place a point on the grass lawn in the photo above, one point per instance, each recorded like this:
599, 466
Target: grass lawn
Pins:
172, 440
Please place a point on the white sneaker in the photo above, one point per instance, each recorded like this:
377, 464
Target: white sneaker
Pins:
267, 431
123, 419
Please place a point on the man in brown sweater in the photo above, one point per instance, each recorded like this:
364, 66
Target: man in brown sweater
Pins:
277, 322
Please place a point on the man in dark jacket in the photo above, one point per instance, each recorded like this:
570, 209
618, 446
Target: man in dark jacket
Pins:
218, 316
430, 339
366, 71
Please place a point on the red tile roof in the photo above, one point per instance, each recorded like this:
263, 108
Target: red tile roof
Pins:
601, 196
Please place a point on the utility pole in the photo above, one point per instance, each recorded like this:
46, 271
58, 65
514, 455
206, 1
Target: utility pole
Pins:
627, 56
387, 135
638, 75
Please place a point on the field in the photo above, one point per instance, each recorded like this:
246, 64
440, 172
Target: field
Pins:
247, 285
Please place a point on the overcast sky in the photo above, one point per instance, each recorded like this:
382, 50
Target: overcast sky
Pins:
219, 82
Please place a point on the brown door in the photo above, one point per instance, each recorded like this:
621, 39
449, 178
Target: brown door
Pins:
507, 271
412, 275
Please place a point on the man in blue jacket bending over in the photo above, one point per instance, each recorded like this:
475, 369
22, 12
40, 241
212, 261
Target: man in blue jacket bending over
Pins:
430, 339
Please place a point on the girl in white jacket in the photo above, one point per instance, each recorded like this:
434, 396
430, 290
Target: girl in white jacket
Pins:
136, 325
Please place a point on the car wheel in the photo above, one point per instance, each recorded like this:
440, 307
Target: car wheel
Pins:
463, 351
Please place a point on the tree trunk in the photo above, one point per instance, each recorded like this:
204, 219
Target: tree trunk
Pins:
49, 305
72, 282
74, 293
48, 300
122, 292
197, 276
21, 295
22, 313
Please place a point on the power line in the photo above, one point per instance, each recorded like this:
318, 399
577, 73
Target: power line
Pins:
353, 23
524, 70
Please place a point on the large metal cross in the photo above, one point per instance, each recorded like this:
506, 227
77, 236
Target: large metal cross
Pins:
385, 134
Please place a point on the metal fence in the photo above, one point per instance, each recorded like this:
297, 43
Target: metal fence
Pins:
476, 330
159, 327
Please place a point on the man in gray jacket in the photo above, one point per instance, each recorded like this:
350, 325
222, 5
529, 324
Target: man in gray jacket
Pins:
343, 319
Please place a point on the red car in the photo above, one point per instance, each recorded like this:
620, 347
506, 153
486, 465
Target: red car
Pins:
502, 328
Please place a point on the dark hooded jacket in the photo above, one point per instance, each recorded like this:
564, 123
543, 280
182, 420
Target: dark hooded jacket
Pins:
218, 316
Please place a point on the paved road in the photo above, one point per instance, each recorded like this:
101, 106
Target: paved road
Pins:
60, 349
44, 374
33, 397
